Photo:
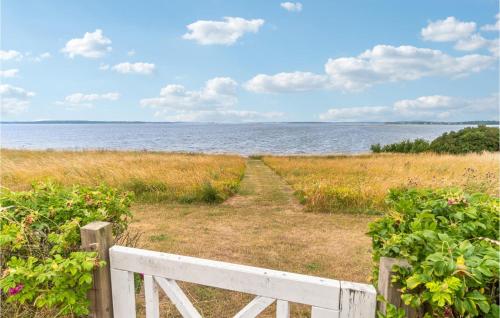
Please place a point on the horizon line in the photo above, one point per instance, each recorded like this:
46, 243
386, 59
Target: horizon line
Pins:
76, 121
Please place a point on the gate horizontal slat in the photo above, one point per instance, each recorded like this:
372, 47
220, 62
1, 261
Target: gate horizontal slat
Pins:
303, 289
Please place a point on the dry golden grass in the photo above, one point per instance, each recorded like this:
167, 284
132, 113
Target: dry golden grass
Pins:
261, 226
360, 183
153, 176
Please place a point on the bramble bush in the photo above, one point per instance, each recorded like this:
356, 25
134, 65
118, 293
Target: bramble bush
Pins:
451, 241
43, 266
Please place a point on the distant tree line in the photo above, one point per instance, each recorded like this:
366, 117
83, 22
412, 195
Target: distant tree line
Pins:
470, 139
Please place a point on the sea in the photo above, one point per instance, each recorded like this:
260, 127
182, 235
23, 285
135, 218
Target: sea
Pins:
244, 139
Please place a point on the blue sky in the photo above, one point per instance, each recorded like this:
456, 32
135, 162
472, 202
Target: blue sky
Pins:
231, 61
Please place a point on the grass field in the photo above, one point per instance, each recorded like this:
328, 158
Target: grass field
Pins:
152, 176
263, 224
360, 183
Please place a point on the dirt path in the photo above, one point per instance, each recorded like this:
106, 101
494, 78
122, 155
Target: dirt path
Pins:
262, 226
262, 187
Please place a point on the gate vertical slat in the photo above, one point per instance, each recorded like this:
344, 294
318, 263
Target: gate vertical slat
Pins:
122, 285
152, 298
282, 309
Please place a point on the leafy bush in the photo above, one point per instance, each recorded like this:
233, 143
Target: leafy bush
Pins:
470, 139
406, 146
43, 266
450, 239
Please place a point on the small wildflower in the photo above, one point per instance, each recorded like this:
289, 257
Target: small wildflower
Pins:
15, 290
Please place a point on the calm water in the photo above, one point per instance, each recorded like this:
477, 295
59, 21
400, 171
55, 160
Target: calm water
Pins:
275, 138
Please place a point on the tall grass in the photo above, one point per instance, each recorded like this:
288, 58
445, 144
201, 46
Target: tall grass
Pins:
152, 176
360, 183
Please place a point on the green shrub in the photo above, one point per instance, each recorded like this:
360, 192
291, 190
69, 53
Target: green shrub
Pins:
451, 240
406, 146
43, 266
376, 148
470, 139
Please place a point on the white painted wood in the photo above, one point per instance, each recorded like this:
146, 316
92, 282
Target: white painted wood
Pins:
178, 298
282, 309
152, 297
255, 307
309, 290
357, 300
317, 312
123, 293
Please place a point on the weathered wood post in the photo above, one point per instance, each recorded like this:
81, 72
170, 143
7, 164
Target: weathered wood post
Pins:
389, 290
98, 237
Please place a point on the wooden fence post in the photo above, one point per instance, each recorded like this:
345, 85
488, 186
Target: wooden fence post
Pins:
390, 291
98, 237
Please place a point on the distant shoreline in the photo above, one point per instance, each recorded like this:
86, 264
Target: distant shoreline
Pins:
474, 122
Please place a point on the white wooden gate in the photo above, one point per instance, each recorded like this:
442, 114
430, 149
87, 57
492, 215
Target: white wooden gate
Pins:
328, 298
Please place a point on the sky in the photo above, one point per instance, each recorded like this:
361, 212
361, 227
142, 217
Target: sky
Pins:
250, 60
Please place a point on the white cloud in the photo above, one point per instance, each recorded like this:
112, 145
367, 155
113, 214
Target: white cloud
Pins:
92, 45
424, 103
292, 6
14, 99
6, 55
219, 92
493, 27
18, 56
42, 57
431, 108
286, 82
225, 32
462, 33
494, 47
355, 113
472, 43
87, 100
134, 68
9, 73
131, 53
385, 63
215, 102
223, 116
381, 64
449, 29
